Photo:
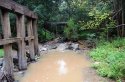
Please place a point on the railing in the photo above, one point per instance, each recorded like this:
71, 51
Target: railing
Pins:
22, 13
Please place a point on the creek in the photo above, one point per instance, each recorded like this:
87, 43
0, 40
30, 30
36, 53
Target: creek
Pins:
57, 66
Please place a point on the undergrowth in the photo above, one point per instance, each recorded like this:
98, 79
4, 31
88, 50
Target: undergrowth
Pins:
110, 58
1, 53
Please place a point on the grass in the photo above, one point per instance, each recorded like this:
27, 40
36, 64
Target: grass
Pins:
111, 58
1, 53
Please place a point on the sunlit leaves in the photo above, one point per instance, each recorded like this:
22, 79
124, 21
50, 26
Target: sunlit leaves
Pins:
99, 13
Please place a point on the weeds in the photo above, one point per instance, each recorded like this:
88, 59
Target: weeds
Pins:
111, 58
1, 53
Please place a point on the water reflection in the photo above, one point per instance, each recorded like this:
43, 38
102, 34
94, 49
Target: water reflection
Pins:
62, 67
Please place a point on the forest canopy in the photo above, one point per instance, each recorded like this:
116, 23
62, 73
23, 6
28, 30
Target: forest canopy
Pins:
102, 15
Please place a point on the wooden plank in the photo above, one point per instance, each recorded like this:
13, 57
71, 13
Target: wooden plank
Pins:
17, 8
9, 40
5, 4
20, 24
31, 42
29, 13
8, 61
37, 52
29, 38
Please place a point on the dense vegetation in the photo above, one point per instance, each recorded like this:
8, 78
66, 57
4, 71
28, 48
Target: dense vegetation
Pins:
102, 16
93, 20
110, 58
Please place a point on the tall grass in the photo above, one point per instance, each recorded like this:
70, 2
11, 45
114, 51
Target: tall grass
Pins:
111, 58
1, 53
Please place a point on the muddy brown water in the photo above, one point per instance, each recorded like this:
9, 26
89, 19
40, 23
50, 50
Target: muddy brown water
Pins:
57, 66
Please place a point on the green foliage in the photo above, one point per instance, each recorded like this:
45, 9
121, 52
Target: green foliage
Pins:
86, 14
45, 35
1, 53
71, 31
47, 11
98, 12
111, 57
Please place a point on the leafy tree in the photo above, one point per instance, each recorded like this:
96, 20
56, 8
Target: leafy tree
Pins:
71, 31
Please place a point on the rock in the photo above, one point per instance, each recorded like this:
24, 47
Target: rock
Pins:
16, 69
56, 40
37, 58
70, 46
62, 46
59, 40
47, 47
16, 81
22, 73
43, 49
96, 64
18, 75
73, 46
51, 46
1, 61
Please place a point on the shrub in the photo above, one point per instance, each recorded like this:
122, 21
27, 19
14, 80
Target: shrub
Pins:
111, 58
45, 35
71, 31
